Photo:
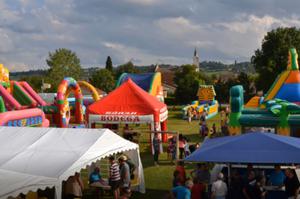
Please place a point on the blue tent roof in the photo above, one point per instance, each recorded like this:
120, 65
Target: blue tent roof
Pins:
259, 148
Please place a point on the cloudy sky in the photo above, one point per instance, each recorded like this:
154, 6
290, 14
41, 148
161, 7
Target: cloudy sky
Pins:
144, 31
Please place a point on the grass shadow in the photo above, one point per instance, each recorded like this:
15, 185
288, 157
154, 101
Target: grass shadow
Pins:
151, 193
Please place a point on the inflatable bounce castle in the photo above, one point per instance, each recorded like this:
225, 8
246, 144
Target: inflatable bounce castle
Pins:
20, 105
149, 82
206, 102
278, 109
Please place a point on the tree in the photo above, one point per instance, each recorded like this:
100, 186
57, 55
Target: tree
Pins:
187, 81
126, 68
108, 64
104, 80
34, 81
222, 88
63, 63
271, 59
245, 80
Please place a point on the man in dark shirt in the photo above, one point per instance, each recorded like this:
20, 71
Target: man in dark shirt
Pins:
291, 184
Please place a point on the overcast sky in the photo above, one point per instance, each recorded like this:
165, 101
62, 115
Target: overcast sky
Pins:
144, 31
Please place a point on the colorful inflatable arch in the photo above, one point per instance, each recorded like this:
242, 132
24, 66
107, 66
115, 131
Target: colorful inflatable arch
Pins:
63, 105
91, 88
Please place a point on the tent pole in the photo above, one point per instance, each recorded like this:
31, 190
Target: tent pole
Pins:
229, 175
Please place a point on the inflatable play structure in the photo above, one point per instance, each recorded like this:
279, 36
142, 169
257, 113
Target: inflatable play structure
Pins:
19, 102
278, 109
20, 105
206, 102
61, 112
149, 82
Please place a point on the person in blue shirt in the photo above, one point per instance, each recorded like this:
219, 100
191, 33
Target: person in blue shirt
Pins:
95, 176
277, 177
183, 192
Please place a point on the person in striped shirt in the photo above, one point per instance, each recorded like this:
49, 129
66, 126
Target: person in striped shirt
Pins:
114, 177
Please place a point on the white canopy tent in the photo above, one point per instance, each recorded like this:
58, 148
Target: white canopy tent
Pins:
36, 158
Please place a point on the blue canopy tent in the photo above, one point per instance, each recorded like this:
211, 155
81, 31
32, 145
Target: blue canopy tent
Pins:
256, 148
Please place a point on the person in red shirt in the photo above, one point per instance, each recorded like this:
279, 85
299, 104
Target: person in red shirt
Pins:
180, 168
198, 189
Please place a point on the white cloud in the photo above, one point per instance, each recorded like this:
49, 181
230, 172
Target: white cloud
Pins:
178, 26
144, 2
147, 31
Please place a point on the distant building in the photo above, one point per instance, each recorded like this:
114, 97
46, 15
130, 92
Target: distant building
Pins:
88, 72
196, 60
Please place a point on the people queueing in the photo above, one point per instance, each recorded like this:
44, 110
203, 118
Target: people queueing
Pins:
292, 185
198, 189
183, 191
176, 178
249, 185
201, 172
74, 187
182, 174
114, 177
156, 148
277, 177
125, 176
259, 192
219, 188
236, 186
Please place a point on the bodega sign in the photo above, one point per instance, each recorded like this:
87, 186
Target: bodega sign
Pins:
120, 118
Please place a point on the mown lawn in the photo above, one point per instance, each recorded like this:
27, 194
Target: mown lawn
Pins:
158, 179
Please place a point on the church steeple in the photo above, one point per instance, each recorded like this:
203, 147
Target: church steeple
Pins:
195, 53
196, 60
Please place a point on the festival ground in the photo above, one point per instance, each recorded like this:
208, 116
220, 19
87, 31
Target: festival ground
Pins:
158, 180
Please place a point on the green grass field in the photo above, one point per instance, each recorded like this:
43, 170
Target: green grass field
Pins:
158, 180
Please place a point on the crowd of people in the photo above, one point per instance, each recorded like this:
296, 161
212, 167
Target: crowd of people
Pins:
119, 181
241, 184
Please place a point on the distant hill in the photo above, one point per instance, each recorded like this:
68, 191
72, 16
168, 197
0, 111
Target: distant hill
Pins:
18, 75
212, 66
206, 66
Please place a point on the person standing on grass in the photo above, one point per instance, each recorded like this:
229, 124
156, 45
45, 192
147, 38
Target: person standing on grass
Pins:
156, 147
114, 177
181, 191
219, 188
181, 146
181, 169
198, 189
125, 175
190, 114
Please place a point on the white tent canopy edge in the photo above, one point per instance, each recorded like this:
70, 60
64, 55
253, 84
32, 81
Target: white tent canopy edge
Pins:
36, 158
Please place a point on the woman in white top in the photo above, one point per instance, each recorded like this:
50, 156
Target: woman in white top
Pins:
219, 188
